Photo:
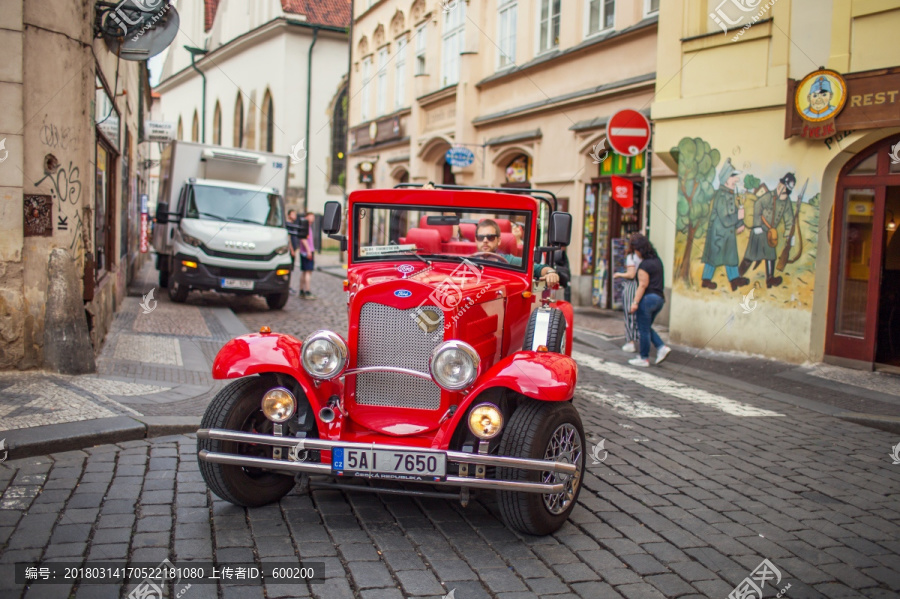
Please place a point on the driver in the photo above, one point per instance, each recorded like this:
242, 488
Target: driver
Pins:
487, 236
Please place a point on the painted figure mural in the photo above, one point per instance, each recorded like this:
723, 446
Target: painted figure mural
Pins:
726, 222
733, 221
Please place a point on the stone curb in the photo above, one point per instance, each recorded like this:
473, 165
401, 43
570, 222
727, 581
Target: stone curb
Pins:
69, 436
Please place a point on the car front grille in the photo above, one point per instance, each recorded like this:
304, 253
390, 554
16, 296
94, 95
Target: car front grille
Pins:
392, 337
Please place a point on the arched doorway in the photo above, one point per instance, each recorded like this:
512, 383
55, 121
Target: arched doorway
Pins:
864, 291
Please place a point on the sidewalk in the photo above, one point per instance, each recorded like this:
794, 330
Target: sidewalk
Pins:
153, 378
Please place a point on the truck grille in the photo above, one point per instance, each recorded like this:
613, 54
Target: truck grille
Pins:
392, 337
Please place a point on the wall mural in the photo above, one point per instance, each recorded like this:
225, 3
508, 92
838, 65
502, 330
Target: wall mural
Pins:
739, 229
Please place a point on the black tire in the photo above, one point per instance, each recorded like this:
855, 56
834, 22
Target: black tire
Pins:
529, 432
178, 293
163, 279
556, 333
277, 301
237, 407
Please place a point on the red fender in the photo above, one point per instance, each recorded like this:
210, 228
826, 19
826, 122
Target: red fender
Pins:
259, 353
544, 376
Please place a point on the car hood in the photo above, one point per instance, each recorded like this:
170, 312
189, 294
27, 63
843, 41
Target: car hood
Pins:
447, 283
234, 237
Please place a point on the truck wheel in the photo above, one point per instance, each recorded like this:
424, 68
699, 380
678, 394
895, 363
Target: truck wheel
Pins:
177, 292
277, 301
163, 279
237, 408
556, 331
543, 431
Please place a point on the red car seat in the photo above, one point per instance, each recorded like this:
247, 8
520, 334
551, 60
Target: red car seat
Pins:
426, 240
445, 231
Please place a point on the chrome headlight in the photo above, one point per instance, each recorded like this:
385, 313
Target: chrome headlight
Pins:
282, 250
190, 239
485, 421
324, 355
454, 365
279, 404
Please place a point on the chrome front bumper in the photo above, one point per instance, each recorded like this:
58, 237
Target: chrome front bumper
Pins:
289, 466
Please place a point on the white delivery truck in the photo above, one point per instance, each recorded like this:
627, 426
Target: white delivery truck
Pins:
220, 222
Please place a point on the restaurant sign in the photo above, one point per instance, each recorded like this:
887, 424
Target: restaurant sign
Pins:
825, 102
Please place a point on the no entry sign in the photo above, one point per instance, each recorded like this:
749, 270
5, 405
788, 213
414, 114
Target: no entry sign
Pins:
628, 132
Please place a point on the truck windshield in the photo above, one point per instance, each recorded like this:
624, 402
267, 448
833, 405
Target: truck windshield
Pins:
237, 205
490, 236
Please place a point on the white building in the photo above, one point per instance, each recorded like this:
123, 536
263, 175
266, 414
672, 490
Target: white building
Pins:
260, 90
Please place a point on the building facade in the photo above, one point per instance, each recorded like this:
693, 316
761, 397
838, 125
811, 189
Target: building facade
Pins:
273, 77
780, 122
527, 87
71, 178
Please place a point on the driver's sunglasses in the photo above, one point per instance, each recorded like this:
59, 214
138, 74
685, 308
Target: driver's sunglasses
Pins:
491, 237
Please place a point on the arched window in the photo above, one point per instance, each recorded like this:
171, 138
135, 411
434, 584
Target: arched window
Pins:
195, 128
217, 124
180, 130
239, 122
268, 123
339, 140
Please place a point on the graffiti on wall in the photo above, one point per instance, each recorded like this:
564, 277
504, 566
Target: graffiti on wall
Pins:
753, 227
65, 187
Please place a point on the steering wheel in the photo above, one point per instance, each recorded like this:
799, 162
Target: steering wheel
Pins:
490, 256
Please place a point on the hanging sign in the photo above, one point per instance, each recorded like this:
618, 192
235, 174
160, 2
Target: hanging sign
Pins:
818, 99
623, 191
145, 232
459, 156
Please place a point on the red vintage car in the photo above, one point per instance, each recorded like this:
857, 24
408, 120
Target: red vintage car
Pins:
455, 373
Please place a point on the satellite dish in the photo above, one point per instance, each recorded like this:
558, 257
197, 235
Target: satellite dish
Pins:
146, 36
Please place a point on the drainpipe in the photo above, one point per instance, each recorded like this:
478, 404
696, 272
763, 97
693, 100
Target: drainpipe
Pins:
194, 52
308, 110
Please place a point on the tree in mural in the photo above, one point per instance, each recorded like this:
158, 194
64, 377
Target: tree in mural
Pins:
696, 172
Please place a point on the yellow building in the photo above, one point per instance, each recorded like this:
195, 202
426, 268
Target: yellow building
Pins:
780, 120
524, 89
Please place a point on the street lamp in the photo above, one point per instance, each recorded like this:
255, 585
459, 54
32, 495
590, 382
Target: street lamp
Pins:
194, 53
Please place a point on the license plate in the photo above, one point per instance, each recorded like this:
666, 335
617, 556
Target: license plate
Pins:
236, 284
391, 464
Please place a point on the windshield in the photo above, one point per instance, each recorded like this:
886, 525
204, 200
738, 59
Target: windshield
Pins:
487, 236
235, 205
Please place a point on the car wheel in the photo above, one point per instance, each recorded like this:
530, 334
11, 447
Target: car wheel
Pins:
542, 431
277, 301
163, 279
237, 408
555, 330
177, 292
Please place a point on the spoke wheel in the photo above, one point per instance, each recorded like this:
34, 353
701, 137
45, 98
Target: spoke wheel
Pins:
542, 430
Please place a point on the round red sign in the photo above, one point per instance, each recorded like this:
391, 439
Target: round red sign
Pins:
628, 132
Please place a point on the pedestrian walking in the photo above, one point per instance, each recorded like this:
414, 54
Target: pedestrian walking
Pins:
648, 300
629, 288
307, 251
294, 246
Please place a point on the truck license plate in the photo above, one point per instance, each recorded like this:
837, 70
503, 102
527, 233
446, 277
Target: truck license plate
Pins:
236, 284
391, 464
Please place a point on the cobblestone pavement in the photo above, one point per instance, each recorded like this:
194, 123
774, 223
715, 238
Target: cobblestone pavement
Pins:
689, 486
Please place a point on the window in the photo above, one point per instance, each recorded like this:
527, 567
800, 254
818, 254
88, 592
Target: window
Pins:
217, 124
601, 15
506, 34
268, 123
381, 84
453, 43
420, 50
104, 203
366, 96
651, 7
400, 74
239, 121
195, 128
339, 141
180, 130
549, 25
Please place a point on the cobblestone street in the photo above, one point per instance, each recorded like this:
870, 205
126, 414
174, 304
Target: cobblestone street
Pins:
692, 481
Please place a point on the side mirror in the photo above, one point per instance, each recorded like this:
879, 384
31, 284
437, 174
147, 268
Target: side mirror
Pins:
560, 230
331, 221
162, 213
